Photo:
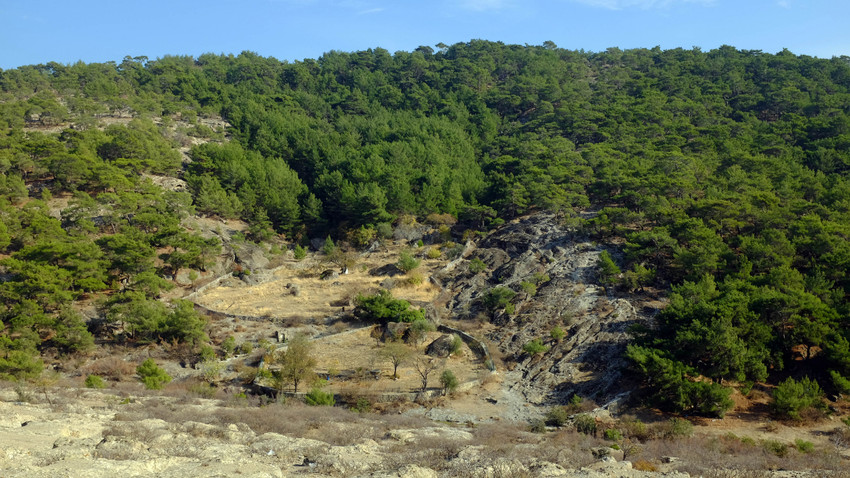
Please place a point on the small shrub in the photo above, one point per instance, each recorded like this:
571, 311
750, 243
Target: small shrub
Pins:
612, 434
585, 423
842, 385
316, 397
456, 345
557, 334
792, 397
476, 265
775, 447
203, 390
634, 428
406, 262
299, 252
228, 346
94, 381
528, 288
678, 428
804, 446
537, 426
449, 382
498, 298
246, 348
557, 416
363, 405
152, 375
207, 353
535, 347
433, 253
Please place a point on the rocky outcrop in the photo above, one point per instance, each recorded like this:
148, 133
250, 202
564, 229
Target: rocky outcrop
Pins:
551, 271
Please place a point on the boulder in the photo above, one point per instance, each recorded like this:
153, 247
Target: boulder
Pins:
441, 347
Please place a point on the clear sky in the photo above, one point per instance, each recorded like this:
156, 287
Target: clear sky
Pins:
65, 31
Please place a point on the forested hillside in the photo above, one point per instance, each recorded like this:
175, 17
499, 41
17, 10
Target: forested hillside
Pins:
721, 175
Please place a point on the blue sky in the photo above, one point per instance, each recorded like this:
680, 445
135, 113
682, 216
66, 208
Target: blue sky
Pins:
39, 31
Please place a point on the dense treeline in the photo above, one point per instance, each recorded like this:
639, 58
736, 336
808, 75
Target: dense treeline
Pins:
724, 171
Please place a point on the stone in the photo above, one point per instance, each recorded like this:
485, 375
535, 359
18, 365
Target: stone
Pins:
441, 347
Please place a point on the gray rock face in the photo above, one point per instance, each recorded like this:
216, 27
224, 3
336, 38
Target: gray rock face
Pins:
562, 266
441, 347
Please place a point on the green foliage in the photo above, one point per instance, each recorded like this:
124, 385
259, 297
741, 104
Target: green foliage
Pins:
316, 397
296, 363
529, 288
406, 261
449, 382
382, 308
557, 416
841, 384
585, 423
612, 434
725, 164
535, 347
363, 405
152, 375
557, 334
792, 397
299, 252
674, 386
608, 270
498, 298
476, 265
228, 346
456, 345
804, 446
94, 381
329, 248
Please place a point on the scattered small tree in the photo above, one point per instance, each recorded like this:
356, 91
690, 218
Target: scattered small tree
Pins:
152, 375
317, 397
449, 382
792, 397
296, 362
535, 347
557, 334
424, 367
396, 353
95, 381
406, 262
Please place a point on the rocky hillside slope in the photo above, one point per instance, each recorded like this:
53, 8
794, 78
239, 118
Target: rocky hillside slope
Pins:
552, 272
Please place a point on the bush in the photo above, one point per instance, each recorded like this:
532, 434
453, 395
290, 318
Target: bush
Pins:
151, 375
792, 397
804, 446
456, 346
535, 347
678, 428
316, 397
94, 381
537, 426
557, 416
841, 384
585, 423
299, 252
528, 288
613, 434
228, 345
406, 262
775, 447
433, 253
476, 265
449, 382
498, 298
557, 334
